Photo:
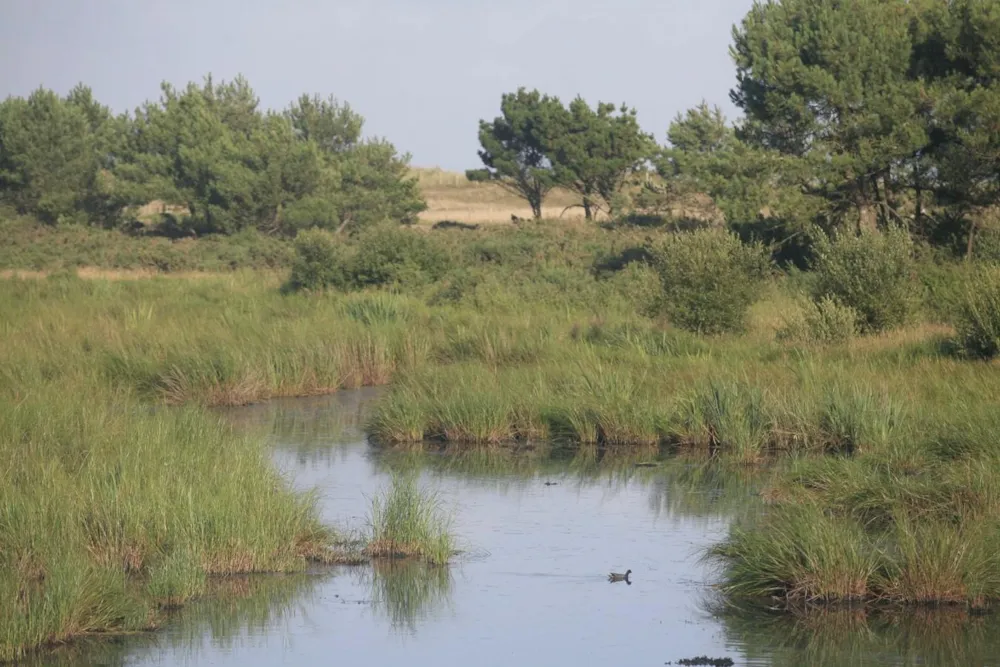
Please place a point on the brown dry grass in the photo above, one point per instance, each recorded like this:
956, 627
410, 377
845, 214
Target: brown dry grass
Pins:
451, 196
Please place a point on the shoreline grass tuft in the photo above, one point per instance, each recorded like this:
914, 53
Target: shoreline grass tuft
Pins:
407, 521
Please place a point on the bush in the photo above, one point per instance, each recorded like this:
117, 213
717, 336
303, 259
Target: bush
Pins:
709, 279
388, 255
823, 321
477, 175
979, 315
320, 262
871, 273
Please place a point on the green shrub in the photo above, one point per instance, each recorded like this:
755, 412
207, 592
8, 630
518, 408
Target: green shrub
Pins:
709, 279
978, 321
871, 273
388, 255
320, 262
823, 321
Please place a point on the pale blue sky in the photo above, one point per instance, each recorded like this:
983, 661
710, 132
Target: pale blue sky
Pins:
421, 72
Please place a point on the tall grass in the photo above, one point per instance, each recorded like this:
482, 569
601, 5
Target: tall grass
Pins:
848, 529
409, 521
798, 554
109, 511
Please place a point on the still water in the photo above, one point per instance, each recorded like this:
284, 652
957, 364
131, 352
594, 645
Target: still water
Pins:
539, 530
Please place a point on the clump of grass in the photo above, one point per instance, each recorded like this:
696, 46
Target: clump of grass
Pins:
731, 418
400, 417
473, 416
407, 521
495, 343
569, 421
858, 419
97, 528
927, 535
377, 308
938, 562
798, 554
621, 417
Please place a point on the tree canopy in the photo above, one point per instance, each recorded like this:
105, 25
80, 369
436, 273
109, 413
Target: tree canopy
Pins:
538, 143
209, 149
513, 146
889, 106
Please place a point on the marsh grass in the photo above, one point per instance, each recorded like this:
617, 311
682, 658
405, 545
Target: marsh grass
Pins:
858, 418
523, 344
176, 579
798, 554
926, 535
407, 521
109, 511
731, 417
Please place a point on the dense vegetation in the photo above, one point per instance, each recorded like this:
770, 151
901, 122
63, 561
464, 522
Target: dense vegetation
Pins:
215, 162
857, 114
829, 318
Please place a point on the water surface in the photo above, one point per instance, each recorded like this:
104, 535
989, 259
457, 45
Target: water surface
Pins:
539, 530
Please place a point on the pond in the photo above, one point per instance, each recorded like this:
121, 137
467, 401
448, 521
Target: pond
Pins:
540, 530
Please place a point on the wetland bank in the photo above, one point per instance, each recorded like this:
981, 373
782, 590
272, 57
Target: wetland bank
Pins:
531, 586
756, 365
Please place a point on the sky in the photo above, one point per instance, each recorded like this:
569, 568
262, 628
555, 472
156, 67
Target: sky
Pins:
421, 72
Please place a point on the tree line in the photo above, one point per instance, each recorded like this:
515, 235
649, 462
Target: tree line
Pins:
857, 114
209, 150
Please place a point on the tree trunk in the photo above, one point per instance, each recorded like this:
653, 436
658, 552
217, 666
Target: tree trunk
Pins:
867, 217
972, 240
536, 208
867, 212
880, 187
343, 225
587, 213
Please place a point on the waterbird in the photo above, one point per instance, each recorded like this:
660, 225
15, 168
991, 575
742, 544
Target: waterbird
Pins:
614, 576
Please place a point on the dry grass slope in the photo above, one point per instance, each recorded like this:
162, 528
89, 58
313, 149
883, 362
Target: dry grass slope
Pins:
451, 196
